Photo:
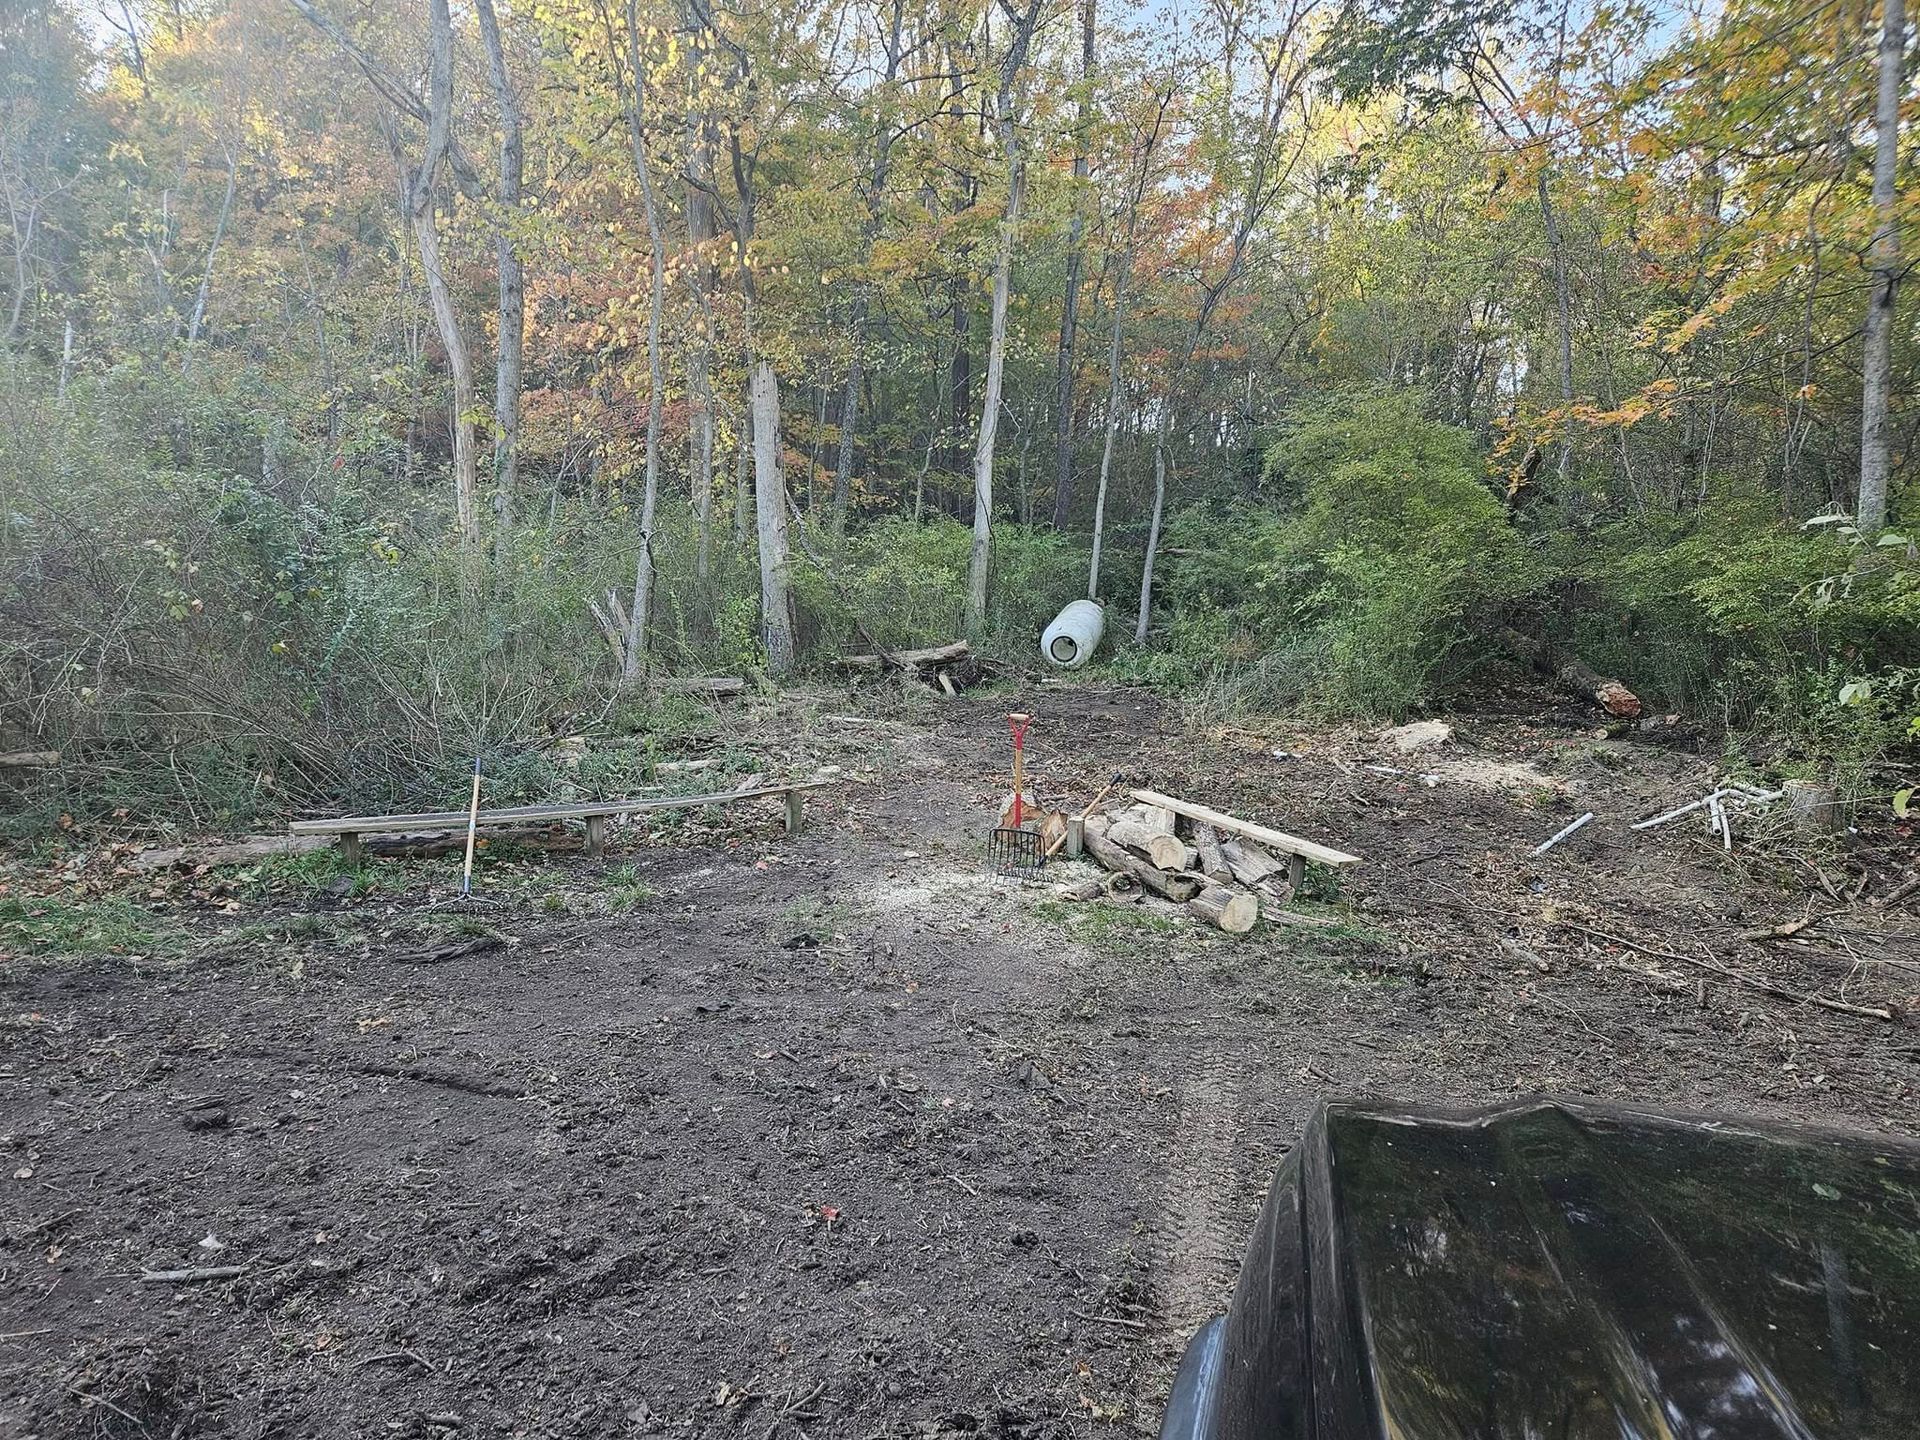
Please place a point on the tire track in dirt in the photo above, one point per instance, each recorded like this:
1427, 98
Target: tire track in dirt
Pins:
1198, 1199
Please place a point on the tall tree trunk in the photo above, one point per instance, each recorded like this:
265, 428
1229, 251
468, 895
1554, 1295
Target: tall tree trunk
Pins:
1877, 367
979, 558
1112, 417
700, 233
213, 250
1070, 304
1153, 528
742, 477
770, 510
466, 502
1563, 304
512, 309
639, 633
849, 413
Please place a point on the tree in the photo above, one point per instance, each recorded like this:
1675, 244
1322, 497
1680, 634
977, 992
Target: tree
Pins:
1877, 363
1012, 66
770, 508
1070, 301
512, 311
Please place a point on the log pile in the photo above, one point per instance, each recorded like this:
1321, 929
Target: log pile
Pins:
1228, 883
947, 668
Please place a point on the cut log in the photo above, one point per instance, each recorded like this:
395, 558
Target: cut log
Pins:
1165, 850
1248, 863
1213, 860
29, 759
908, 659
1179, 887
1233, 911
1273, 839
704, 685
1573, 674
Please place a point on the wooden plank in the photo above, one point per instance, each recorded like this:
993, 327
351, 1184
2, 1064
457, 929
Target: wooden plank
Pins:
520, 814
1276, 839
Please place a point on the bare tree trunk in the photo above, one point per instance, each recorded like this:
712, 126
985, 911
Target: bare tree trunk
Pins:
1112, 418
1153, 528
513, 294
770, 510
213, 251
977, 560
639, 633
466, 501
1563, 301
1877, 365
1070, 305
849, 415
700, 234
742, 478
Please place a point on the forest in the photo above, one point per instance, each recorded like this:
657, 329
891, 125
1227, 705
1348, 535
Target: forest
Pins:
384, 382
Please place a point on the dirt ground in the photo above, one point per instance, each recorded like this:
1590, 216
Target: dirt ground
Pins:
740, 1135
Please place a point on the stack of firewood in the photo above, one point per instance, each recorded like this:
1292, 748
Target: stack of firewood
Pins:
1226, 883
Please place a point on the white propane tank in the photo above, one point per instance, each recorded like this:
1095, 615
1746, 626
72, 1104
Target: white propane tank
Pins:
1069, 642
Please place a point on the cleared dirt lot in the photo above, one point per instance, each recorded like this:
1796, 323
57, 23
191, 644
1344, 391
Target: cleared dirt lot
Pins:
736, 1134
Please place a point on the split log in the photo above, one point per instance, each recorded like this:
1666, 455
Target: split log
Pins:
1233, 911
1085, 890
1178, 886
1213, 861
1248, 863
1573, 674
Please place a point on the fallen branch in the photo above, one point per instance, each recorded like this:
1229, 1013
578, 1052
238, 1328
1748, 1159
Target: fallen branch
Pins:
1765, 987
29, 759
196, 1276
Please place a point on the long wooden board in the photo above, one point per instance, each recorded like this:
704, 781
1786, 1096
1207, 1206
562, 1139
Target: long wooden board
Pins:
519, 814
1275, 839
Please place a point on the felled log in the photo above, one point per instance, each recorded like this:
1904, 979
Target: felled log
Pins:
1177, 886
1167, 852
1231, 910
704, 685
908, 659
1573, 674
29, 759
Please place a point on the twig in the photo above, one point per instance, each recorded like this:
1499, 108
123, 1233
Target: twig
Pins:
1110, 1320
1898, 893
193, 1276
92, 1399
963, 1185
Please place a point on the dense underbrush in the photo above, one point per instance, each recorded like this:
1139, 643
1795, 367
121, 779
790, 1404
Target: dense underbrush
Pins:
215, 621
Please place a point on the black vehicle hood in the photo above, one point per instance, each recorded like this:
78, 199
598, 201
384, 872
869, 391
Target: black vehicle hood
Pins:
1561, 1271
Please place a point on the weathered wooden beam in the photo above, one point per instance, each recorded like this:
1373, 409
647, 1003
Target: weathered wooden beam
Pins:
1274, 839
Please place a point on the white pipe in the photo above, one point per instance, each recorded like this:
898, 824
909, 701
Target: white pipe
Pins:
1547, 845
1069, 642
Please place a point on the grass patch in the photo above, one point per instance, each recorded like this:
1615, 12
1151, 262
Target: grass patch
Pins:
46, 925
1107, 922
626, 891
